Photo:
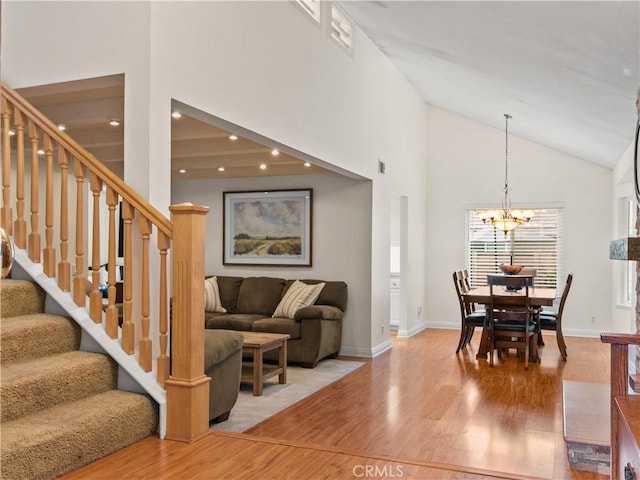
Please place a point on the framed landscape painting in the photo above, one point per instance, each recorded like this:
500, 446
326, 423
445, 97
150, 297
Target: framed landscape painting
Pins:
267, 228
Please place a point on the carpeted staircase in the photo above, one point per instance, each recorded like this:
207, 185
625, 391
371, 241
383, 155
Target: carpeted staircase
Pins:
59, 406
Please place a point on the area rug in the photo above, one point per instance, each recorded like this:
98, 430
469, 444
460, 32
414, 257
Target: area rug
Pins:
301, 382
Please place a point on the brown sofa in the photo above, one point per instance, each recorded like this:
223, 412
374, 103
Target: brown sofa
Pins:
315, 331
223, 363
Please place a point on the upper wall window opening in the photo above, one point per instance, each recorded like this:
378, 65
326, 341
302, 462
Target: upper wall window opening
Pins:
342, 28
312, 7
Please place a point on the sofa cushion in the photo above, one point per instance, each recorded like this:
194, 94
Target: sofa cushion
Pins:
212, 296
278, 325
229, 287
297, 296
219, 345
260, 295
334, 293
233, 321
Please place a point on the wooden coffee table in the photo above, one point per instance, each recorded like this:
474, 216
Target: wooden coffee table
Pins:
256, 372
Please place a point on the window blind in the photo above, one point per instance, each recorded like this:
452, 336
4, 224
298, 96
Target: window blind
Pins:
536, 244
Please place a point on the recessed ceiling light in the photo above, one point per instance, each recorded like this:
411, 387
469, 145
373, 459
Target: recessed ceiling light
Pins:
233, 137
62, 127
263, 166
275, 152
182, 170
40, 151
221, 169
307, 164
176, 114
115, 122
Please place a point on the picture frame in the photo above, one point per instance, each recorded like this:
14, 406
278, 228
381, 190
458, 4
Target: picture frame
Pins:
268, 227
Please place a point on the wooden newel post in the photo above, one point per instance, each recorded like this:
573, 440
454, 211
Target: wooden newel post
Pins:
187, 386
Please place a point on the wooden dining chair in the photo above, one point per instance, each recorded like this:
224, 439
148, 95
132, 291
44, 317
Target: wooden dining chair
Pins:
469, 316
509, 319
550, 320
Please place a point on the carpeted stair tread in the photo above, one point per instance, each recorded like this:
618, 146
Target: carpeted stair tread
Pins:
37, 335
20, 297
63, 438
43, 382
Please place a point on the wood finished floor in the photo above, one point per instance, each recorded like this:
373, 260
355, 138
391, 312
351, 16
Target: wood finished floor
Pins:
419, 406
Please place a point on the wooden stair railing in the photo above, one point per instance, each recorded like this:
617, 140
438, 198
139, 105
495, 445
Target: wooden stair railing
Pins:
54, 155
620, 381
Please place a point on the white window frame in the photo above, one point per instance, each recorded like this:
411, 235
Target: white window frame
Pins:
552, 277
313, 9
347, 26
626, 271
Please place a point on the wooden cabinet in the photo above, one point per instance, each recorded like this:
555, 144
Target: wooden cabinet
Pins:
628, 438
625, 410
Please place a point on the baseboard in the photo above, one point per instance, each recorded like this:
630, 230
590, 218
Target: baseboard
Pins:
566, 332
366, 352
413, 330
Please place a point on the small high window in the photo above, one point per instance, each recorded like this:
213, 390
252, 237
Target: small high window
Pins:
312, 7
341, 28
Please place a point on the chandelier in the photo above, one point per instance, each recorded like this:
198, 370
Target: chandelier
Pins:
505, 219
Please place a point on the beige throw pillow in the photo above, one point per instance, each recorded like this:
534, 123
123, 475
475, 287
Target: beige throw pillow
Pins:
298, 296
212, 301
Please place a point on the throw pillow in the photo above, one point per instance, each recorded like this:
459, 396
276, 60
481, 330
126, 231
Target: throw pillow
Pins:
298, 296
212, 301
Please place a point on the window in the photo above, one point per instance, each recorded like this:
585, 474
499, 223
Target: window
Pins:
627, 269
312, 7
536, 244
341, 28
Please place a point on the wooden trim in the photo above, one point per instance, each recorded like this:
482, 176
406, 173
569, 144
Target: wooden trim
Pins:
620, 338
188, 387
619, 379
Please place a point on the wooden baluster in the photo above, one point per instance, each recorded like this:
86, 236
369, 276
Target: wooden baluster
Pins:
6, 215
162, 370
49, 253
95, 298
188, 386
112, 310
144, 345
79, 280
34, 236
128, 336
20, 225
64, 267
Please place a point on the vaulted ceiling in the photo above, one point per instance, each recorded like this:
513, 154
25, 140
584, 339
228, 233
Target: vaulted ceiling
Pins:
567, 71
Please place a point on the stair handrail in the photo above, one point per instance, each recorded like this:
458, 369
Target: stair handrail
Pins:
90, 161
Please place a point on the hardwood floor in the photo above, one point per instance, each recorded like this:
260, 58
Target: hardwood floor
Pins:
419, 406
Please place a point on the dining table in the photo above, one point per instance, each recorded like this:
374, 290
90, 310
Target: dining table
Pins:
539, 297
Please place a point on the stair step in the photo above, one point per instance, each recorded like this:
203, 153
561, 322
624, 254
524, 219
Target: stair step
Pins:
37, 335
41, 383
63, 438
587, 425
20, 297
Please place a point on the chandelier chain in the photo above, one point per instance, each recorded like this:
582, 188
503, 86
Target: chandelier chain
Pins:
507, 202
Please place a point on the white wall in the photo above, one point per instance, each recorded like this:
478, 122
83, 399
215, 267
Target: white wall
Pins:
466, 168
341, 232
